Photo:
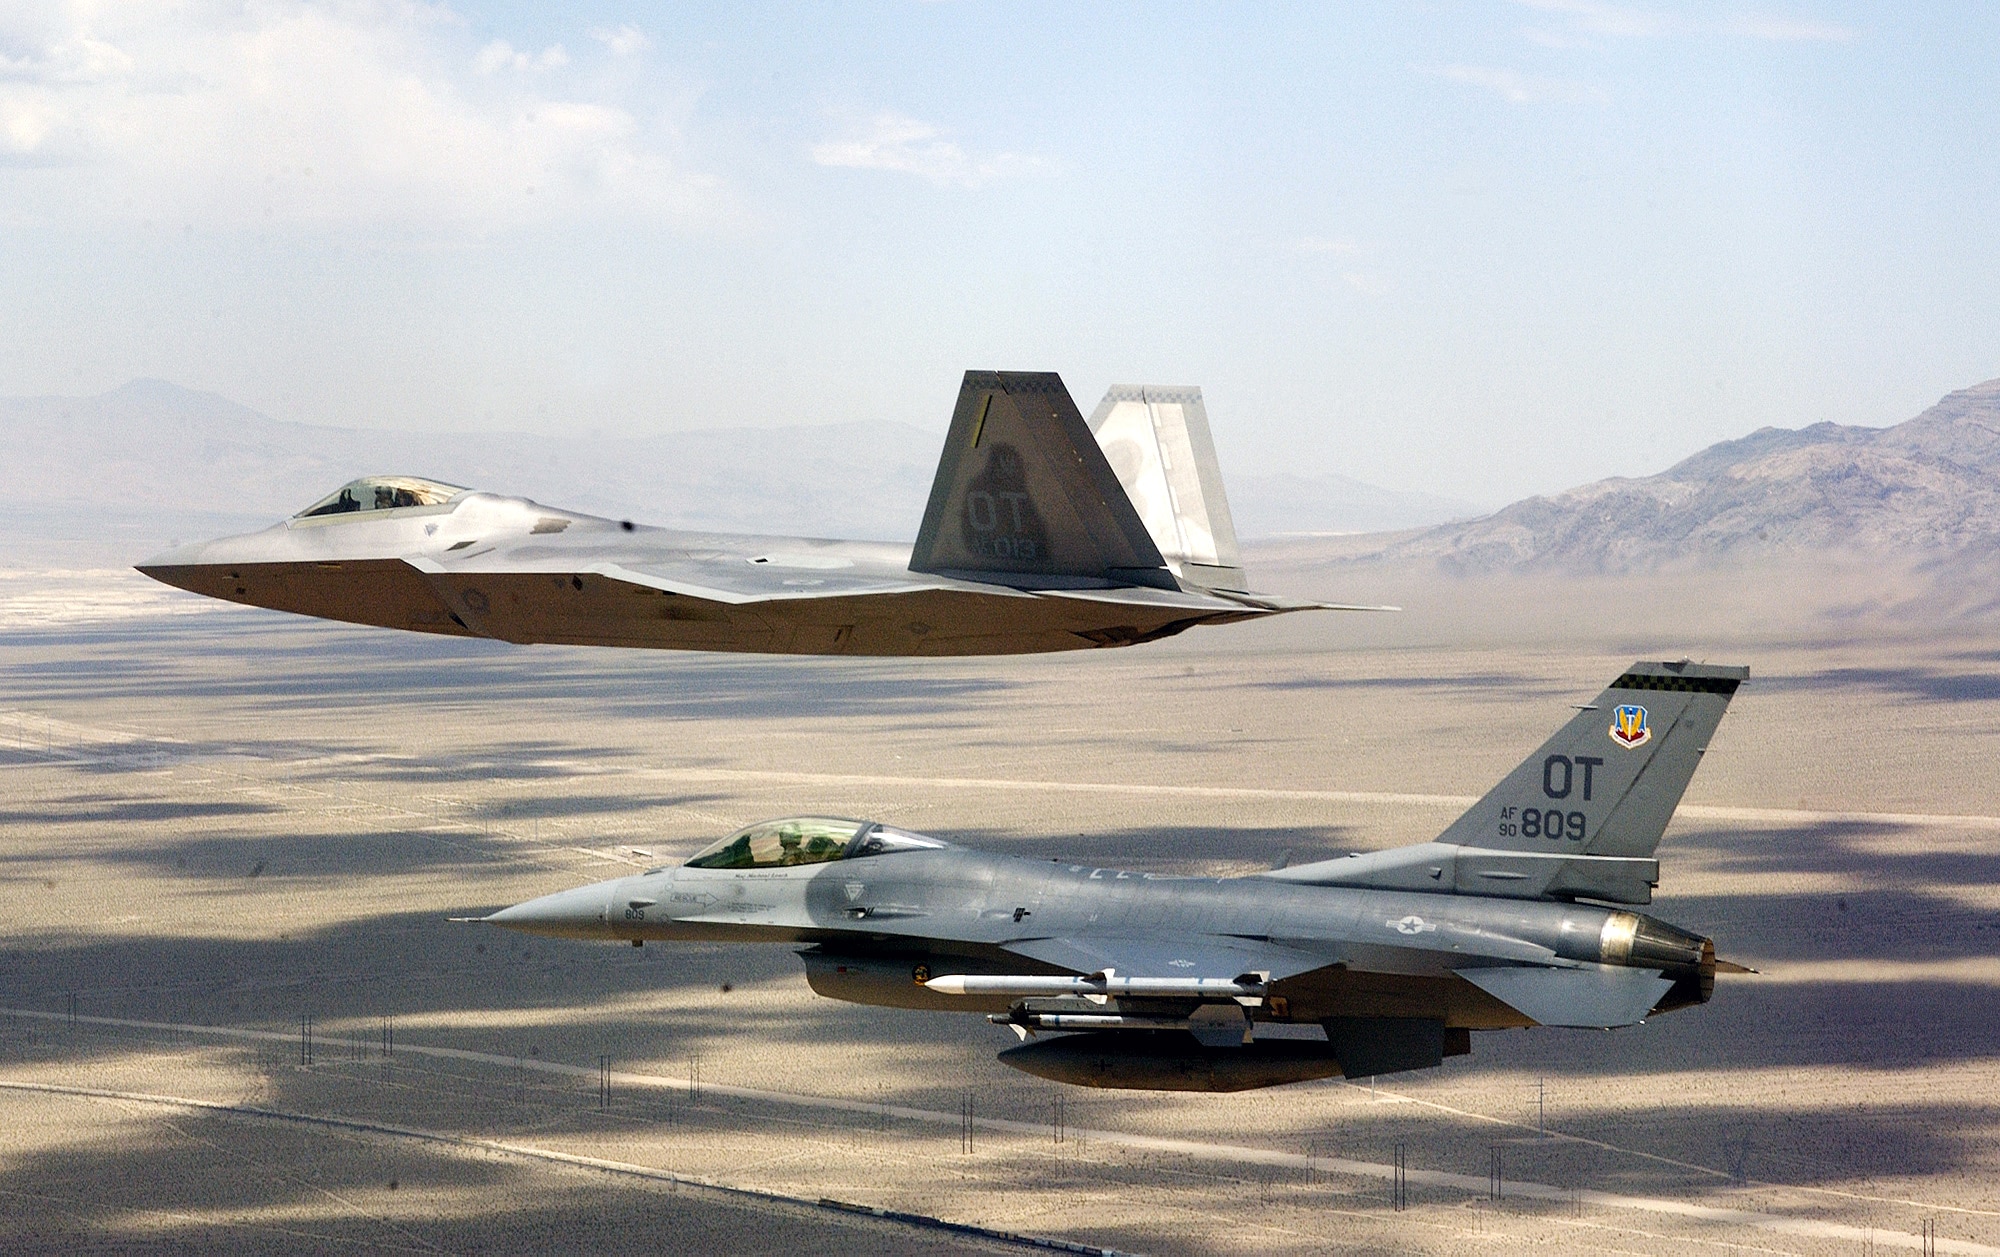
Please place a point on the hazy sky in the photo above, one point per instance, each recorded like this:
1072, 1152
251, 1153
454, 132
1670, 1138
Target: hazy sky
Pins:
1481, 249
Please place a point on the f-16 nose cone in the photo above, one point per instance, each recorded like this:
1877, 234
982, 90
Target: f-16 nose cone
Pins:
579, 913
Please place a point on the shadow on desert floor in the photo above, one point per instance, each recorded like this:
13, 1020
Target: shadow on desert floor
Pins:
321, 667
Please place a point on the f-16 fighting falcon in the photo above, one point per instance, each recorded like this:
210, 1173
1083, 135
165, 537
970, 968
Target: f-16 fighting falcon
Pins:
1364, 965
1042, 533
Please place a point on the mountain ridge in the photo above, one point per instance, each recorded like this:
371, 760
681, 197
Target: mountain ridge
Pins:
1926, 487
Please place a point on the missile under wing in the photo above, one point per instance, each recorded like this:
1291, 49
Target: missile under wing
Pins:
1519, 914
1029, 543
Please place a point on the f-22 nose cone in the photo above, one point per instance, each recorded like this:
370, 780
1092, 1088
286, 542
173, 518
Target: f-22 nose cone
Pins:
213, 568
182, 567
579, 913
179, 556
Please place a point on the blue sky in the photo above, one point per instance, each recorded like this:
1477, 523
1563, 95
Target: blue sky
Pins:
1479, 249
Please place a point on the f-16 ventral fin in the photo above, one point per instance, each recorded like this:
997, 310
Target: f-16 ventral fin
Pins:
1156, 439
1024, 494
1582, 816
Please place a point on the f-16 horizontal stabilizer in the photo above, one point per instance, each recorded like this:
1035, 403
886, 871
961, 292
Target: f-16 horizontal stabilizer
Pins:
1023, 491
1599, 996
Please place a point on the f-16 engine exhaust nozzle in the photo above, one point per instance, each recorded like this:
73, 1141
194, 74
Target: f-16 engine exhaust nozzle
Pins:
1642, 942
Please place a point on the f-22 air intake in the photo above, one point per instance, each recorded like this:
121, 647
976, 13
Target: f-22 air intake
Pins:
1521, 913
1043, 532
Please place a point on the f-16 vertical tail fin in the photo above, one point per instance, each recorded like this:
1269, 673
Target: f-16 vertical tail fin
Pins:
1608, 782
1157, 441
1024, 496
1582, 816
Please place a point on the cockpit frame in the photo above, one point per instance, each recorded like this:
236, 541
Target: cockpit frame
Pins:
381, 497
794, 841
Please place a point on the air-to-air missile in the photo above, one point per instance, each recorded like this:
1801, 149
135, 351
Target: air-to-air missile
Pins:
1518, 914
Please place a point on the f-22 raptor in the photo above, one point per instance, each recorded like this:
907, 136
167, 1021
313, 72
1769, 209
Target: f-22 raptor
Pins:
1516, 915
1042, 533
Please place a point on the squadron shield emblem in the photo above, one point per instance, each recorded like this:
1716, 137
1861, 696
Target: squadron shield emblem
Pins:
1628, 726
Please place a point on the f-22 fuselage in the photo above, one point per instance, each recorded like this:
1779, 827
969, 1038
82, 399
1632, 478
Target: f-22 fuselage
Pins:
1032, 541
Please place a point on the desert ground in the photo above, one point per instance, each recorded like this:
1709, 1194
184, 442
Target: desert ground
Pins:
233, 1012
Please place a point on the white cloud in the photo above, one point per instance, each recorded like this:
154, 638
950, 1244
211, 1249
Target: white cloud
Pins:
1604, 19
1553, 39
1623, 21
321, 114
1788, 30
891, 141
625, 41
501, 55
1520, 88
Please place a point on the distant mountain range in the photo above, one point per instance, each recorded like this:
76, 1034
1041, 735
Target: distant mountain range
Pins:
1273, 506
1925, 489
112, 478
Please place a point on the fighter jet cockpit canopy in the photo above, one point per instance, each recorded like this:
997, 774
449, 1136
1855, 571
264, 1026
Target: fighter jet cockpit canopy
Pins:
382, 493
806, 840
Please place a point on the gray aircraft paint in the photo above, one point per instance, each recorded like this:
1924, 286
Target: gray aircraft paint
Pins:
1391, 958
1029, 544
